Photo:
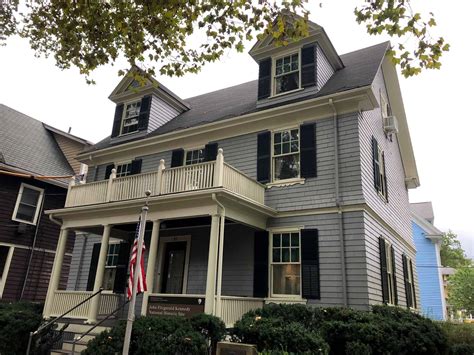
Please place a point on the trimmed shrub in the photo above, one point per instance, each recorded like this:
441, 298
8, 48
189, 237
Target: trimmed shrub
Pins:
17, 320
460, 337
161, 335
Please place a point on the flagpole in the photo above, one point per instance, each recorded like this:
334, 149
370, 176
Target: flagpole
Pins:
131, 305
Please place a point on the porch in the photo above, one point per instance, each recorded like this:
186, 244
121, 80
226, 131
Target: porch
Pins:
185, 273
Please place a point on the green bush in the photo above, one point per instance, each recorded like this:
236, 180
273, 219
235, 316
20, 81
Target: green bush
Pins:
460, 337
385, 330
17, 320
161, 335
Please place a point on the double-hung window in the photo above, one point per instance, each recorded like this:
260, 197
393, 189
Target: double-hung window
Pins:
195, 156
111, 266
286, 154
130, 117
380, 177
287, 73
285, 264
124, 169
409, 281
28, 204
390, 273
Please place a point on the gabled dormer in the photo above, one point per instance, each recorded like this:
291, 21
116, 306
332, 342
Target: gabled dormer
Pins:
299, 69
142, 108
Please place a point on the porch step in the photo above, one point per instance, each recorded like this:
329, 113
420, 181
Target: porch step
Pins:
81, 328
80, 345
71, 332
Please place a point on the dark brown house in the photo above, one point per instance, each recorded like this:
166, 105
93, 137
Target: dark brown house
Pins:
36, 163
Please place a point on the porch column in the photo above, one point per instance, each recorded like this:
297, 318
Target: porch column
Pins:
56, 272
150, 267
211, 266
99, 275
220, 266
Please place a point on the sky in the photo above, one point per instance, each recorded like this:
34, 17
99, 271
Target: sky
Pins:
437, 103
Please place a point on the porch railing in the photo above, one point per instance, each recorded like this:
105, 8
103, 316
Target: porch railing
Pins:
233, 308
167, 181
64, 300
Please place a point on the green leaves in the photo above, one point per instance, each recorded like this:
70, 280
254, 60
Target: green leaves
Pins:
396, 18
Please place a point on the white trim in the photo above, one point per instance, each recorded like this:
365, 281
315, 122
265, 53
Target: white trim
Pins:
161, 261
272, 155
287, 53
192, 150
38, 203
6, 268
129, 102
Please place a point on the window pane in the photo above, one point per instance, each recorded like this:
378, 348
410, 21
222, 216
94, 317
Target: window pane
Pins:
294, 147
287, 82
276, 255
26, 212
286, 279
286, 136
285, 255
286, 148
285, 239
286, 167
295, 255
277, 149
276, 240
294, 134
277, 137
30, 196
295, 239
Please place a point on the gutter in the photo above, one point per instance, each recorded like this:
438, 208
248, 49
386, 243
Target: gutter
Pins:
338, 205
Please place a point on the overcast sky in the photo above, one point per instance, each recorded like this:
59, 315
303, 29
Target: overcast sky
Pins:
437, 103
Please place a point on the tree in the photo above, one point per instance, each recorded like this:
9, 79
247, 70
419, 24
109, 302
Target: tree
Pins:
451, 252
176, 37
461, 289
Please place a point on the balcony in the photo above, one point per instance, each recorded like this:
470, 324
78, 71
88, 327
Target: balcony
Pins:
197, 177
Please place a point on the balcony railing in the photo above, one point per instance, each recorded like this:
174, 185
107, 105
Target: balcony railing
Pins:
167, 181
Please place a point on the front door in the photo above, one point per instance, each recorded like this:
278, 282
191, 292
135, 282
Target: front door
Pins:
173, 267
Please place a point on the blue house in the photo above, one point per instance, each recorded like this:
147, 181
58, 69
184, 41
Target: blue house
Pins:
427, 240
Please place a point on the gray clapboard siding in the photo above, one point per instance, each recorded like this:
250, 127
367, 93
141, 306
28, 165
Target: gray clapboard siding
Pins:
99, 172
151, 162
81, 261
324, 68
160, 113
396, 212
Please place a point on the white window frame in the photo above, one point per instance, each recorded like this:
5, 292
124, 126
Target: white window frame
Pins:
6, 268
384, 106
127, 162
110, 266
411, 281
122, 122
161, 263
38, 205
271, 263
192, 150
273, 81
381, 162
273, 156
390, 272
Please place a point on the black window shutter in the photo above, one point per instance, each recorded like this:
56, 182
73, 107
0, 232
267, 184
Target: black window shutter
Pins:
264, 78
413, 284
375, 161
136, 167
260, 264
93, 266
308, 66
385, 177
144, 113
383, 269
394, 276
310, 264
308, 150
117, 120
210, 152
263, 157
122, 268
177, 157
406, 281
108, 170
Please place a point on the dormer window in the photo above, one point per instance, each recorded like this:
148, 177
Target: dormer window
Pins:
287, 73
130, 117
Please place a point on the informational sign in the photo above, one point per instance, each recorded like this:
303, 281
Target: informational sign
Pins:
175, 306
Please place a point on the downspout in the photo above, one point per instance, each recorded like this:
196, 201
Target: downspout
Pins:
338, 205
220, 253
54, 220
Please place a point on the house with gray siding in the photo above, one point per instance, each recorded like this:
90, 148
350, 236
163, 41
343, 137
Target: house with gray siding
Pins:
292, 188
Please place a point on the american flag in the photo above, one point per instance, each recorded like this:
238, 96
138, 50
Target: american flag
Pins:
141, 285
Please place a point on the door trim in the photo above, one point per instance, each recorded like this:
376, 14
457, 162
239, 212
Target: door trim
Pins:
161, 252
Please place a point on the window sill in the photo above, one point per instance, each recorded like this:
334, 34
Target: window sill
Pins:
286, 182
286, 93
24, 222
286, 300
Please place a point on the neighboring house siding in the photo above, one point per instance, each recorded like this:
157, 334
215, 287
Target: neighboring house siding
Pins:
46, 241
373, 230
160, 113
70, 149
429, 275
324, 68
396, 212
